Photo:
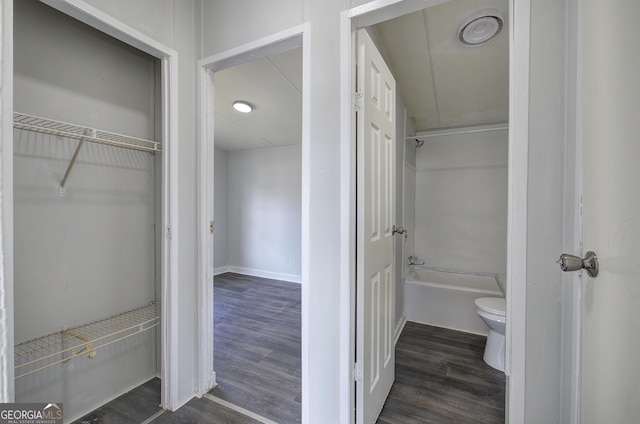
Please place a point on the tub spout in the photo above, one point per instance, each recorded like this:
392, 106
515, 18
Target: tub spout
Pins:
413, 260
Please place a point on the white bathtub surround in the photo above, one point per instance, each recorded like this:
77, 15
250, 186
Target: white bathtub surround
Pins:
445, 297
461, 200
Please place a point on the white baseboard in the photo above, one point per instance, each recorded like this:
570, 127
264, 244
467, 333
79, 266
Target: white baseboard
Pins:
399, 328
220, 270
182, 402
264, 274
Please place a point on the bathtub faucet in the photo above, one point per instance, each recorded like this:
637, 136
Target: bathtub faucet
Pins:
413, 260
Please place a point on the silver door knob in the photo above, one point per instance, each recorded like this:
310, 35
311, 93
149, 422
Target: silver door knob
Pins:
574, 263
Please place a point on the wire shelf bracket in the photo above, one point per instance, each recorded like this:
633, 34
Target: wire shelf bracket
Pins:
41, 125
43, 352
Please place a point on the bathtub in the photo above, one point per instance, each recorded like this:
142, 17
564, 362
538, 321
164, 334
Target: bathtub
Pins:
444, 298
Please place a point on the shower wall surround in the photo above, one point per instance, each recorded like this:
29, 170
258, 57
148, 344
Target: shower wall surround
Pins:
461, 201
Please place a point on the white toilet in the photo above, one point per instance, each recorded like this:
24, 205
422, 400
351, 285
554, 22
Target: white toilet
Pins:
492, 311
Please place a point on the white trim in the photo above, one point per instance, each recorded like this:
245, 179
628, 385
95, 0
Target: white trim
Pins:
399, 328
153, 417
221, 270
280, 42
265, 274
73, 418
83, 12
347, 220
185, 399
205, 215
294, 37
377, 11
169, 269
515, 365
7, 386
99, 20
239, 409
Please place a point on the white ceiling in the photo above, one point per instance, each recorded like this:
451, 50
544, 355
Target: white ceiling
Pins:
273, 86
443, 84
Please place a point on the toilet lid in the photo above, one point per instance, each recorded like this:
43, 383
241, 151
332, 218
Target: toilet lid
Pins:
493, 305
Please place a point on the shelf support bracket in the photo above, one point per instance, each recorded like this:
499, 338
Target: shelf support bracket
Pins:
87, 132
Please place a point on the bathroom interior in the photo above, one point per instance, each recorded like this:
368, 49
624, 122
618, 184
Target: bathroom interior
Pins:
452, 76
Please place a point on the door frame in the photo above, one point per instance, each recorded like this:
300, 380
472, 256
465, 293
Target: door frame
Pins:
380, 10
102, 22
298, 36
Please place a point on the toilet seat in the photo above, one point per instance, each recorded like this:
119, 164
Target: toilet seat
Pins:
492, 305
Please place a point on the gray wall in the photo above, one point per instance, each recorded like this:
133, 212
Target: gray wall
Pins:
264, 211
461, 201
89, 253
258, 201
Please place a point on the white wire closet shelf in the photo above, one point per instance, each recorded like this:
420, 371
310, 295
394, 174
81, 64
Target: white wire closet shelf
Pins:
43, 352
24, 121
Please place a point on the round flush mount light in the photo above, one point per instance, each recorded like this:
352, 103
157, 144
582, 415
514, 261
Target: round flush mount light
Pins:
242, 106
481, 27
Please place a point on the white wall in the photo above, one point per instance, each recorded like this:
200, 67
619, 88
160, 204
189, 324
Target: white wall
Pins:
264, 212
90, 253
220, 255
609, 99
461, 201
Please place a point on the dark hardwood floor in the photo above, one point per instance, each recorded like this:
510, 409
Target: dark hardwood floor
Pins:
133, 407
440, 374
441, 378
257, 345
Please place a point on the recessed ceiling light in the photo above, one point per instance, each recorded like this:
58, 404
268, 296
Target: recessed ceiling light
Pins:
481, 27
241, 106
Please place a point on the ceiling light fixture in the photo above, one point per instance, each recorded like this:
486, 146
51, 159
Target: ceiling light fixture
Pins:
480, 28
242, 106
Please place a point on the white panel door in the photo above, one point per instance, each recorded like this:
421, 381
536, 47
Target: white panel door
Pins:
610, 91
375, 216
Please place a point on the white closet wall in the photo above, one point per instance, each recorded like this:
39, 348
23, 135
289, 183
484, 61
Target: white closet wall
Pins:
89, 253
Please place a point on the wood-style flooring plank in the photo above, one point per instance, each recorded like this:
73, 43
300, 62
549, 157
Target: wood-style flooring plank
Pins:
442, 378
204, 411
134, 406
440, 375
257, 351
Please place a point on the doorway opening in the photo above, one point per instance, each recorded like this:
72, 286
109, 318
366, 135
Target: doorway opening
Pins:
254, 183
151, 195
447, 127
257, 254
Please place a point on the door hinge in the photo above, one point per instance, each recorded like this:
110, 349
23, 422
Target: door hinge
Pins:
169, 232
212, 226
357, 372
358, 100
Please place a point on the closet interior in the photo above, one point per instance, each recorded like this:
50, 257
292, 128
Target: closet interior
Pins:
87, 195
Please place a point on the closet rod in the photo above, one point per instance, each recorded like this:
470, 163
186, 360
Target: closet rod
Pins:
38, 124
